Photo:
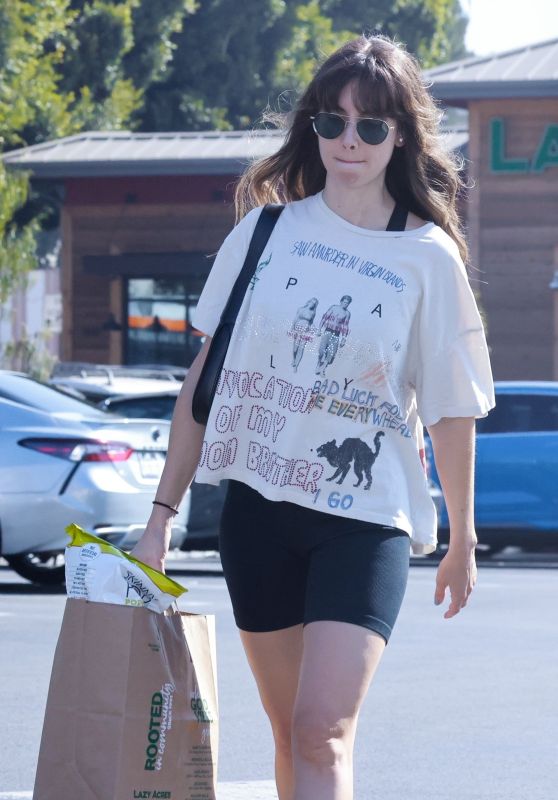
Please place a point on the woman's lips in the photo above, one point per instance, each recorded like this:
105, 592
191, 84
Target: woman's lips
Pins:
343, 161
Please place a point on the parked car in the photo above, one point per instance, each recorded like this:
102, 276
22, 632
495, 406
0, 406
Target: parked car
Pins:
21, 388
516, 466
156, 406
68, 462
96, 382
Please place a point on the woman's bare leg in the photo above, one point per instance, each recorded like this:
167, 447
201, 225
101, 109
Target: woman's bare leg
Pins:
275, 660
338, 663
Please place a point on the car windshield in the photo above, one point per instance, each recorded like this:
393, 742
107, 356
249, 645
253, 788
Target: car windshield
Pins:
33, 393
521, 413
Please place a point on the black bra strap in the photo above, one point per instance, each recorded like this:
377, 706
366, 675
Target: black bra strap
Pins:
398, 219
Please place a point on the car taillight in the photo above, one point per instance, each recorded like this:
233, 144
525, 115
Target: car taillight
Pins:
79, 449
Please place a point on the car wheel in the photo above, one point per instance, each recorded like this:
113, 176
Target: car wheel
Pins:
44, 568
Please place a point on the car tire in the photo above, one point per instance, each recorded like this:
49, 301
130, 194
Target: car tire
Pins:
46, 569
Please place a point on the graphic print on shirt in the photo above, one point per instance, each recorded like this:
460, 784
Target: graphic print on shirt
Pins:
242, 399
302, 330
355, 451
256, 276
378, 372
333, 332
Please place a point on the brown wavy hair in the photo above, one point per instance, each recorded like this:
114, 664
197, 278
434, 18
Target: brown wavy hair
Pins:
422, 175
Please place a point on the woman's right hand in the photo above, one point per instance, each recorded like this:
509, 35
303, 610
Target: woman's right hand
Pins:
154, 544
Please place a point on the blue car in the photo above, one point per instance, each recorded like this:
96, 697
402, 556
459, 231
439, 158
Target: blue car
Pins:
516, 480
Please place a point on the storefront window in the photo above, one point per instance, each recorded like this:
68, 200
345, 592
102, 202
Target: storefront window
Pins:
158, 329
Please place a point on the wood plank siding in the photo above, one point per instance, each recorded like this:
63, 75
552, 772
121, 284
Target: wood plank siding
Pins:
115, 229
513, 230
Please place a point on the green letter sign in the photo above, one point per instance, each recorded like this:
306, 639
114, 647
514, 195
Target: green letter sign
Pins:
546, 155
498, 160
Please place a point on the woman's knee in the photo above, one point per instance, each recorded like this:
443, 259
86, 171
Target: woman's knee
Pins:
282, 736
321, 739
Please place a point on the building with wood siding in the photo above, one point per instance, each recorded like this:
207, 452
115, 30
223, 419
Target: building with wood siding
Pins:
143, 214
512, 211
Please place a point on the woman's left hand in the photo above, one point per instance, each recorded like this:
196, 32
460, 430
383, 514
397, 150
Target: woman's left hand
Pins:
458, 572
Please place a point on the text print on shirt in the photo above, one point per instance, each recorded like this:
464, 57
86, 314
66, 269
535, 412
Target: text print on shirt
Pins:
295, 399
331, 255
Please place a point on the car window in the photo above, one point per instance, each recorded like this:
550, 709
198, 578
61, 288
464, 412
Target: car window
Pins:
156, 407
32, 393
521, 413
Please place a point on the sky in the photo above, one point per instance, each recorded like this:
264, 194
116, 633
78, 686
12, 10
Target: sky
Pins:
499, 25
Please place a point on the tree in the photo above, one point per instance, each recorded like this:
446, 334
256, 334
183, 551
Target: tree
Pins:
30, 109
153, 26
227, 67
219, 69
432, 29
114, 49
66, 66
72, 65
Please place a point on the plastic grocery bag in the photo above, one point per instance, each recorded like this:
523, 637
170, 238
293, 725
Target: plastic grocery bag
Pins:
99, 571
132, 706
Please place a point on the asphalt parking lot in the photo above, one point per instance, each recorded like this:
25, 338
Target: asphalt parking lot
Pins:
461, 708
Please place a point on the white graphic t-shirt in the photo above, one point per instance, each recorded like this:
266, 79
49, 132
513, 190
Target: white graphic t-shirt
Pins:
348, 341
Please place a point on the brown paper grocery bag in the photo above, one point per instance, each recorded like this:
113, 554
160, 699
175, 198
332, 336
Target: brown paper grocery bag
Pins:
132, 707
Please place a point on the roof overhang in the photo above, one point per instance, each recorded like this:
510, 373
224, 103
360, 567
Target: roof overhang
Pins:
107, 169
122, 153
466, 91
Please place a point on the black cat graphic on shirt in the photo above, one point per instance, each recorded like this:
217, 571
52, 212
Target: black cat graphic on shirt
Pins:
355, 451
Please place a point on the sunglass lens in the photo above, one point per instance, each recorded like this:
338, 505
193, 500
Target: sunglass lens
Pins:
329, 126
372, 131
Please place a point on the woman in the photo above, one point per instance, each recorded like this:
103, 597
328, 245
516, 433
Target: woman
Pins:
327, 486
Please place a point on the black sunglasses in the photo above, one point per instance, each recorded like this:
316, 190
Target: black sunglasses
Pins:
329, 126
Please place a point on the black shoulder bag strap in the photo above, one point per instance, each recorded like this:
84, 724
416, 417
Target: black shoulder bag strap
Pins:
266, 222
213, 364
398, 219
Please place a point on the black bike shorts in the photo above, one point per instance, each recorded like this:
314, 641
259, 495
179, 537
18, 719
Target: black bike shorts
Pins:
286, 564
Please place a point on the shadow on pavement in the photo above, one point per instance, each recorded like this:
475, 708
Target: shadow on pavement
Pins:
7, 587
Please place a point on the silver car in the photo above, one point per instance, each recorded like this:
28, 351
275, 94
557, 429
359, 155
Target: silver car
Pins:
101, 473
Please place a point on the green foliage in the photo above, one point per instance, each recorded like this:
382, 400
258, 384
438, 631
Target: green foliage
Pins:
67, 66
30, 354
218, 74
17, 247
431, 29
312, 39
231, 62
31, 108
153, 25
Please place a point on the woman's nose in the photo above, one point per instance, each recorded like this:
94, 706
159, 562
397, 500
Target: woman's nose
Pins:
349, 137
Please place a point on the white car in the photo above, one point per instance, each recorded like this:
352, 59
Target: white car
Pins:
100, 473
